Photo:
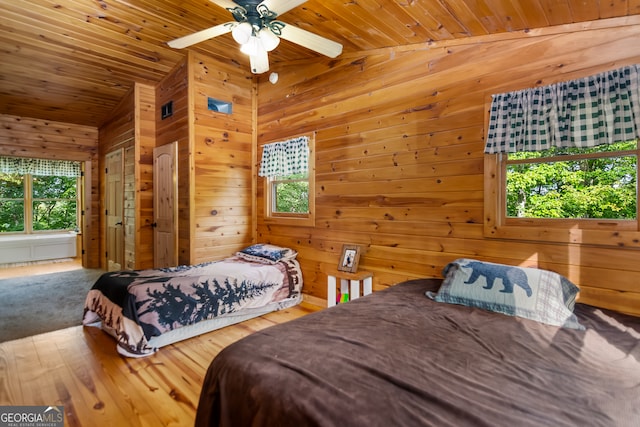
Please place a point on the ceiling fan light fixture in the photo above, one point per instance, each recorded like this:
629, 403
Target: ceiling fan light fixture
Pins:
258, 32
253, 47
242, 33
259, 63
269, 40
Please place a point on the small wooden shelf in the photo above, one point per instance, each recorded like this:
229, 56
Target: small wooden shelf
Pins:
350, 283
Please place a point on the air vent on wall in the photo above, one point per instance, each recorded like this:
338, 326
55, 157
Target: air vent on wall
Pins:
219, 106
167, 110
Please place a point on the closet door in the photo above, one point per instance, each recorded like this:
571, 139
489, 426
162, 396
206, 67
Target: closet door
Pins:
165, 205
114, 210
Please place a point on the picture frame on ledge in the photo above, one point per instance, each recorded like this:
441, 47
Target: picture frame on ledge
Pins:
349, 259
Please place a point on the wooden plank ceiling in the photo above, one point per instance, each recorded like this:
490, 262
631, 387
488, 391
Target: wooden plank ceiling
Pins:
73, 60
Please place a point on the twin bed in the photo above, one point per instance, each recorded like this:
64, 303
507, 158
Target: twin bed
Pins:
436, 352
145, 310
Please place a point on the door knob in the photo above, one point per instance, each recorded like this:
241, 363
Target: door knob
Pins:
119, 223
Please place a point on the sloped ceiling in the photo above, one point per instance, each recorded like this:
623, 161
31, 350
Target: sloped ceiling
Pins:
73, 60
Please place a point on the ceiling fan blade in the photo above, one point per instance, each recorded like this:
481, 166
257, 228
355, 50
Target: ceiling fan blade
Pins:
201, 36
311, 41
259, 62
226, 4
281, 6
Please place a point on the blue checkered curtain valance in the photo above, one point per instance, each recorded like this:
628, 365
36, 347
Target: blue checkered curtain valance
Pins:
39, 167
285, 157
595, 110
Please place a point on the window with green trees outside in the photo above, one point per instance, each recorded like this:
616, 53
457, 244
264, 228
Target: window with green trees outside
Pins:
579, 183
291, 193
31, 203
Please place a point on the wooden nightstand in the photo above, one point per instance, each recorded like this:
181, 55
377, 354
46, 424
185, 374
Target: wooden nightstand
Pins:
350, 283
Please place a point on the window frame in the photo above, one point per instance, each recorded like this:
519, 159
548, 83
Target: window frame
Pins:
28, 201
604, 232
624, 223
596, 232
291, 218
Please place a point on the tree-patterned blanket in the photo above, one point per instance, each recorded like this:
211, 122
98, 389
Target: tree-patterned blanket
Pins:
138, 305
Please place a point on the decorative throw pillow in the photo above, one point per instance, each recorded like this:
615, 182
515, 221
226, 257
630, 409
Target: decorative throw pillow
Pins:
266, 253
532, 293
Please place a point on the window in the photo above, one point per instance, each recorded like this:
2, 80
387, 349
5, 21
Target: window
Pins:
54, 203
32, 202
12, 202
591, 183
561, 162
290, 194
287, 167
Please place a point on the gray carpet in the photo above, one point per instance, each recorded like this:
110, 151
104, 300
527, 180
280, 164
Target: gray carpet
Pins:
48, 302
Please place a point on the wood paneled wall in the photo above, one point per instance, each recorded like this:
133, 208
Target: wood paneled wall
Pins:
174, 88
118, 133
215, 152
223, 153
131, 127
26, 137
129, 207
145, 134
399, 155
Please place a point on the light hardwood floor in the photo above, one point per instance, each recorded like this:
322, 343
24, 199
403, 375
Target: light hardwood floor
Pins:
80, 369
39, 268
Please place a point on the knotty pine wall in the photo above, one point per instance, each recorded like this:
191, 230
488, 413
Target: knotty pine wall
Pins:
142, 208
223, 155
215, 156
174, 87
131, 127
399, 155
27, 137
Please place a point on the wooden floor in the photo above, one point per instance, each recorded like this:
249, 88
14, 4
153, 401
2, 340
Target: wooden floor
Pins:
80, 369
39, 268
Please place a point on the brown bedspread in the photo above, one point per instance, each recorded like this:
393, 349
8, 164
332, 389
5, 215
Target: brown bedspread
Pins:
396, 358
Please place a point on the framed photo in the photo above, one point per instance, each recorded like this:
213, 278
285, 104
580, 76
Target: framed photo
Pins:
350, 258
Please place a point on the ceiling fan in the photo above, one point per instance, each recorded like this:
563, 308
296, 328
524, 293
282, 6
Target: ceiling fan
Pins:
257, 31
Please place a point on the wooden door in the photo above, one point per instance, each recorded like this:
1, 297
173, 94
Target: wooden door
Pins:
165, 205
114, 209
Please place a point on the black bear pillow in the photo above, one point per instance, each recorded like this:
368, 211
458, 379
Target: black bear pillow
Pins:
532, 293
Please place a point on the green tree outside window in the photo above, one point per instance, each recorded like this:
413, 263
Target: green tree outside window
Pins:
38, 203
11, 202
292, 193
598, 182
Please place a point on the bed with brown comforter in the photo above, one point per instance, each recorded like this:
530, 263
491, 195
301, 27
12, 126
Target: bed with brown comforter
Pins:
398, 358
